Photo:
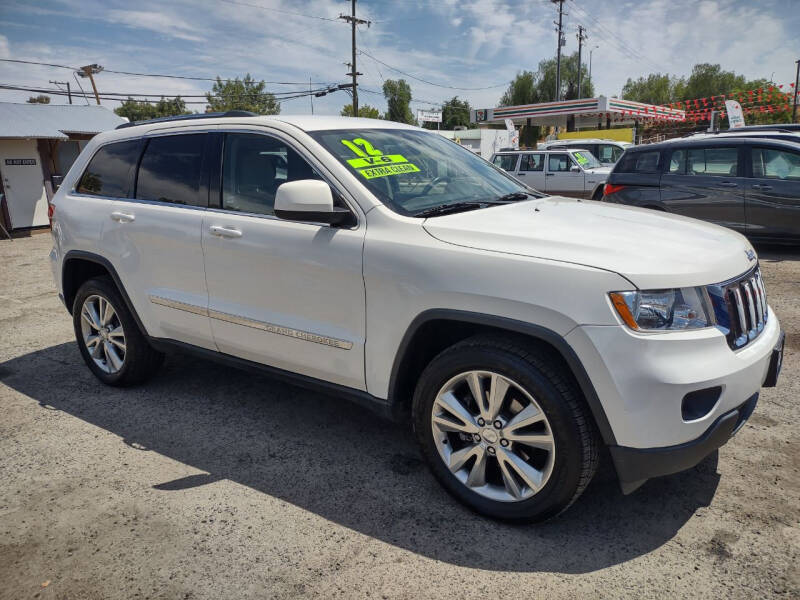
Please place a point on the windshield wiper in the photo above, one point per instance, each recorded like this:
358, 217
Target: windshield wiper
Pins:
446, 209
515, 196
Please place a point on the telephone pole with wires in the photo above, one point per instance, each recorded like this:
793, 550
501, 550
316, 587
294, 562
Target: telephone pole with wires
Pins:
90, 71
66, 83
351, 18
581, 37
561, 42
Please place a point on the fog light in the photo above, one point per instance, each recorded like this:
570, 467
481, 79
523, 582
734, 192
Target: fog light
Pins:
698, 404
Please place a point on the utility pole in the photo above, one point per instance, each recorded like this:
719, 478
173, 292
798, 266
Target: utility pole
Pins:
310, 95
561, 42
90, 71
351, 18
796, 91
581, 36
66, 83
595, 47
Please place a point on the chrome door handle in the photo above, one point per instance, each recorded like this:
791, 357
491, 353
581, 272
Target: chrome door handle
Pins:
225, 232
761, 186
730, 184
121, 217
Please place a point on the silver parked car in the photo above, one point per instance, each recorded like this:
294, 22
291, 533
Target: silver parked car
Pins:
574, 173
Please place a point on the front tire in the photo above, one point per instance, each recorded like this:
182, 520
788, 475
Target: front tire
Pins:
504, 429
111, 344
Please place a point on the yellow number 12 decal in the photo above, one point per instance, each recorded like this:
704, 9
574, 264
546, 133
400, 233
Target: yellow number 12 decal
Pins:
375, 163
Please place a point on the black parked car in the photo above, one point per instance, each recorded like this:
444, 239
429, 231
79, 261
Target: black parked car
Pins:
749, 184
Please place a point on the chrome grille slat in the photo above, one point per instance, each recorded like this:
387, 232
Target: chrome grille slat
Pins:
741, 307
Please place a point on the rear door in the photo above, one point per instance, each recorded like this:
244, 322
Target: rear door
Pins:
560, 179
153, 239
772, 194
531, 170
706, 183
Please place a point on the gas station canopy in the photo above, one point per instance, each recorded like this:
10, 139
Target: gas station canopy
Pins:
587, 112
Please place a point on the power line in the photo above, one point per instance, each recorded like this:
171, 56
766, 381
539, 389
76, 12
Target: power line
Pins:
32, 62
279, 10
449, 87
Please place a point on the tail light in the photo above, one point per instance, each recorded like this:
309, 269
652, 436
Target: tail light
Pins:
51, 211
610, 188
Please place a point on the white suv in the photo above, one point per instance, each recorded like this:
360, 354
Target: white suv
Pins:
381, 262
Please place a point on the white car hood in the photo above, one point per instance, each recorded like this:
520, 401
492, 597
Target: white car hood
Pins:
652, 249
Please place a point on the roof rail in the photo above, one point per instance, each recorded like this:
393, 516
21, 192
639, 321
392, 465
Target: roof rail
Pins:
214, 115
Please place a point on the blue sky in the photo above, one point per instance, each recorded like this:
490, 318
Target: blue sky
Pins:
460, 44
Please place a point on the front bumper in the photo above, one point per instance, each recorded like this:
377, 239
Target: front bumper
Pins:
637, 465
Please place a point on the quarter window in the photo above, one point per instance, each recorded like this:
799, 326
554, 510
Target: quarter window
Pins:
109, 171
253, 168
170, 170
677, 162
638, 162
719, 162
507, 162
532, 162
769, 163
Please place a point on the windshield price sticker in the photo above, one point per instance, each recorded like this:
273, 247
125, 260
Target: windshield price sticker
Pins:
372, 163
374, 172
582, 160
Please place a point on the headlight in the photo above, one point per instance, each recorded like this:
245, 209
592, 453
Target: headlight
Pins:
665, 310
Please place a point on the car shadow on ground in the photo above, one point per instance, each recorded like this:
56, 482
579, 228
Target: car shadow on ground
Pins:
330, 457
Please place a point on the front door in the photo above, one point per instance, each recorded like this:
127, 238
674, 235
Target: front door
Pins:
153, 239
560, 179
705, 183
284, 293
23, 182
772, 194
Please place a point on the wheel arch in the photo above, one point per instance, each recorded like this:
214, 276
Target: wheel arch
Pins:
436, 329
79, 266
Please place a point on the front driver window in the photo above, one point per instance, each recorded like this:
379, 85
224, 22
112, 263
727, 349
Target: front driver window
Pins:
253, 168
558, 162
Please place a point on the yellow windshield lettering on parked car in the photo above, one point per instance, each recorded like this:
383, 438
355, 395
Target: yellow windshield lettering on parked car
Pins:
582, 160
372, 163
374, 172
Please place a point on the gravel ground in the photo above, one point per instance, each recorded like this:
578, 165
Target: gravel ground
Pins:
213, 483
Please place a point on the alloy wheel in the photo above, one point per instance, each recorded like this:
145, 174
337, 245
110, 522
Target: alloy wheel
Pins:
103, 334
493, 436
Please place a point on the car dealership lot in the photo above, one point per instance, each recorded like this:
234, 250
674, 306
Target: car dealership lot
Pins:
209, 482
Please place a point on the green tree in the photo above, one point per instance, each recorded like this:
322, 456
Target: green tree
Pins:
455, 113
709, 80
135, 110
398, 97
365, 110
242, 94
656, 88
40, 99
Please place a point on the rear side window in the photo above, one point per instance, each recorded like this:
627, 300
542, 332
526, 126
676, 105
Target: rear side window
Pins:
532, 162
507, 162
639, 162
769, 163
109, 171
170, 170
720, 162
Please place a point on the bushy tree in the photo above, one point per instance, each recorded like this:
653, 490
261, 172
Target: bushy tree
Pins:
398, 98
656, 88
364, 110
242, 94
135, 110
455, 113
40, 99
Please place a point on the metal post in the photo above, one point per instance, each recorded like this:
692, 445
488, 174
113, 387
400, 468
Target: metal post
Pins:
796, 91
310, 95
558, 48
69, 93
581, 37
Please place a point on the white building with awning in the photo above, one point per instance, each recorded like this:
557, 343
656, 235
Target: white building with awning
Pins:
38, 144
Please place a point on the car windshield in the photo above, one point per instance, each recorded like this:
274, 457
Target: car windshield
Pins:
586, 159
412, 171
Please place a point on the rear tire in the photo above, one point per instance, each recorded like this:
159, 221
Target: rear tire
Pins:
110, 341
512, 471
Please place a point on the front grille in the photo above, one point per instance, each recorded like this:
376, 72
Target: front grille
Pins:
740, 306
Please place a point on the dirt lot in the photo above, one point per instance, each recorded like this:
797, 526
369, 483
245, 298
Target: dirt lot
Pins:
212, 483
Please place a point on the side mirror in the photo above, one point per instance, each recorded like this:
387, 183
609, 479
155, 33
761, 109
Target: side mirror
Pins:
575, 169
309, 200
